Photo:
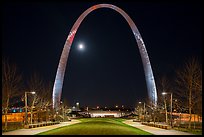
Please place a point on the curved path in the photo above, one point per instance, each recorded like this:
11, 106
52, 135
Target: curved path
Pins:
155, 130
34, 131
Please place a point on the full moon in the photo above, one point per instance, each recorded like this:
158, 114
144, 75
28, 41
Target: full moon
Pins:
81, 46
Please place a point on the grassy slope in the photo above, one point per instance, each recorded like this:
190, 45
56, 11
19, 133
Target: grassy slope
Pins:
97, 126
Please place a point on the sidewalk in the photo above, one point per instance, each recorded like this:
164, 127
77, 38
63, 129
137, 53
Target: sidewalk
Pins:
155, 130
37, 130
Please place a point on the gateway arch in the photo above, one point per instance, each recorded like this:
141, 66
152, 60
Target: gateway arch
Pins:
57, 88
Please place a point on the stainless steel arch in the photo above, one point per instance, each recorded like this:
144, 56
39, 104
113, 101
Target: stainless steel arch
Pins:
151, 87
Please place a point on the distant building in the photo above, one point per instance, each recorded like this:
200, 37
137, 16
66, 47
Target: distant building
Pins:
101, 113
15, 117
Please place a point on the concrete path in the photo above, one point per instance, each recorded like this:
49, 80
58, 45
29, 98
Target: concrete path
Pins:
155, 130
37, 130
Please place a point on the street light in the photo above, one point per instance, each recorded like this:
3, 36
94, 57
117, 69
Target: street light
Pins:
26, 105
164, 93
144, 110
77, 106
165, 109
63, 111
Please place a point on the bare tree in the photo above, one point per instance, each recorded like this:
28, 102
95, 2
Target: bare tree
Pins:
164, 85
189, 82
43, 100
46, 99
11, 82
35, 84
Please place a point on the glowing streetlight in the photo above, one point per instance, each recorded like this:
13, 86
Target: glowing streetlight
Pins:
164, 93
32, 93
144, 109
77, 106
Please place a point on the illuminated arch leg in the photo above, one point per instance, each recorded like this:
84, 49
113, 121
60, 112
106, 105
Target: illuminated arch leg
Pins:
151, 87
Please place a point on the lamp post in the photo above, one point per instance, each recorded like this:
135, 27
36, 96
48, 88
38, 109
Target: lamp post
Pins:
144, 110
164, 93
63, 111
77, 106
26, 105
165, 110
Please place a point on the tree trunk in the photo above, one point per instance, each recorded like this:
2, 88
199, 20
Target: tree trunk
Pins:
5, 119
166, 112
46, 114
6, 112
180, 120
194, 121
198, 118
189, 125
31, 115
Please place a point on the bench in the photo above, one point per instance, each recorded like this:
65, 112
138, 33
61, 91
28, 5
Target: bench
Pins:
157, 125
41, 124
162, 126
135, 120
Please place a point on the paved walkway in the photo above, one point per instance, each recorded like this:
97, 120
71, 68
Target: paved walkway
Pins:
155, 130
37, 130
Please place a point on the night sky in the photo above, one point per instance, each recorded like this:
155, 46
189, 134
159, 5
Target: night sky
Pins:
109, 71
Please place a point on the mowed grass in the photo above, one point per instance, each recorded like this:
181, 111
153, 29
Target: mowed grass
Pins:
97, 126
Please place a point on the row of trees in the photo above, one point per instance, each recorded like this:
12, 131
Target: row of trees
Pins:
10, 85
14, 86
186, 87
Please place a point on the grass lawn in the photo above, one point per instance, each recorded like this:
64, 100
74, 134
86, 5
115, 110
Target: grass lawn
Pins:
97, 126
